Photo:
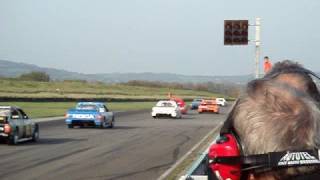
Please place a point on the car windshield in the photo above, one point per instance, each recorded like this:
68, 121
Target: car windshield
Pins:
4, 111
165, 104
207, 102
197, 100
87, 107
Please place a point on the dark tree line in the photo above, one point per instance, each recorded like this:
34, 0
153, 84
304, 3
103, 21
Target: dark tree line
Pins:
229, 89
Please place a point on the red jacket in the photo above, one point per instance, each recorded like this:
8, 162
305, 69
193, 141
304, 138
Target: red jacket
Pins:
267, 66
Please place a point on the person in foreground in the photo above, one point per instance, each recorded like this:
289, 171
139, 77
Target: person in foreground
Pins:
273, 130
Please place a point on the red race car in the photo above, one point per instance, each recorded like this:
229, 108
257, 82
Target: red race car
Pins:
182, 105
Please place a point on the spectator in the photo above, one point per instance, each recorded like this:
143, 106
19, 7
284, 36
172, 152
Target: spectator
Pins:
267, 65
278, 113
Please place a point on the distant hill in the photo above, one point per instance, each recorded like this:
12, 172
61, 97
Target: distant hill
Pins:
14, 69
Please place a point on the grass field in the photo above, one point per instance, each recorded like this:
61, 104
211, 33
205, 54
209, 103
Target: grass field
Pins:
117, 95
76, 90
51, 109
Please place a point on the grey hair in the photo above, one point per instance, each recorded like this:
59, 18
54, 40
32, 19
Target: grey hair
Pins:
274, 115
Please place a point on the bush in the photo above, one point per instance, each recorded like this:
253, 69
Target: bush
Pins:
35, 76
75, 81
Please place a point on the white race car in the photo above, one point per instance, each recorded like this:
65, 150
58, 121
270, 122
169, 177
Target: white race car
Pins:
221, 101
166, 108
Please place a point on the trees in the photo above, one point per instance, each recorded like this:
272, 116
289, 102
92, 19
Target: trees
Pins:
35, 76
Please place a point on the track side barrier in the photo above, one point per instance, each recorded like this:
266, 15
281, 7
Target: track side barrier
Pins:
198, 170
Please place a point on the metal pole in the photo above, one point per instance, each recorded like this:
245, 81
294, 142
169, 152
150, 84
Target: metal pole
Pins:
257, 47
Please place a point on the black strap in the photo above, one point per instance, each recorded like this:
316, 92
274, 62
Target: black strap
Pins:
291, 70
312, 73
253, 160
272, 159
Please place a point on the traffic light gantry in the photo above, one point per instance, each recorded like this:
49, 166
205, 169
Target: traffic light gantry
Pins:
236, 32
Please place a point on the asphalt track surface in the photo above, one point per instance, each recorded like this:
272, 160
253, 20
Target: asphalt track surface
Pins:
139, 147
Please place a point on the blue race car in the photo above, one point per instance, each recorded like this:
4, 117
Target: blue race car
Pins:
90, 114
195, 103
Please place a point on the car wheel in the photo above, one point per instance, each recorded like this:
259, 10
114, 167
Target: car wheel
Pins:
104, 124
35, 135
14, 138
112, 123
70, 126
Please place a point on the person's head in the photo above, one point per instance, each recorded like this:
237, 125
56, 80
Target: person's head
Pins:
278, 113
266, 58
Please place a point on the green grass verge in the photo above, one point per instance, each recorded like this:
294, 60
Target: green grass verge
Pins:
91, 90
51, 109
116, 94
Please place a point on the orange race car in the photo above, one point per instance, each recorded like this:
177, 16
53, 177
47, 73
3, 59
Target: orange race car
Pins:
208, 106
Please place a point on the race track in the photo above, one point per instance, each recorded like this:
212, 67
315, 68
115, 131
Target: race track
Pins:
139, 147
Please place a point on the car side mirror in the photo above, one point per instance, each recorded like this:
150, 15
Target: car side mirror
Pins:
25, 117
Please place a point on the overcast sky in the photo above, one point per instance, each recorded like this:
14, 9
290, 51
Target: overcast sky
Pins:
176, 36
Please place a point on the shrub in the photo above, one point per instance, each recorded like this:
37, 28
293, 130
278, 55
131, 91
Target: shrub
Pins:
35, 76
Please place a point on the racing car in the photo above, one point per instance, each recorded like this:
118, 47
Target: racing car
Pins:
195, 104
182, 105
90, 114
166, 108
15, 125
208, 106
221, 101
